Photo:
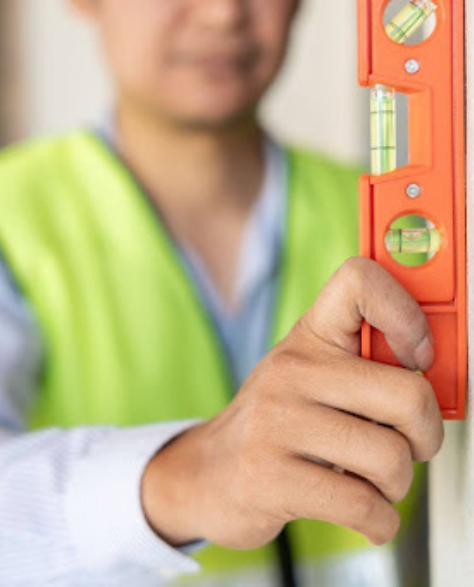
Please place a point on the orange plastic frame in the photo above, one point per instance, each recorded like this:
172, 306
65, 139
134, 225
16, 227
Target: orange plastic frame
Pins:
437, 163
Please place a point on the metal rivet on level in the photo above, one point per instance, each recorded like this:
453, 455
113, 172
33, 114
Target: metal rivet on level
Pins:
412, 66
413, 191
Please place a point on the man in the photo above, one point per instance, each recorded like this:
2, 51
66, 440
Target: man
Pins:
162, 256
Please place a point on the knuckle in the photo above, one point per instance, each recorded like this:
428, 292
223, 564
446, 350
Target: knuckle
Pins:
399, 468
380, 525
287, 364
355, 270
434, 438
388, 530
416, 318
421, 400
265, 528
289, 513
425, 417
438, 431
364, 507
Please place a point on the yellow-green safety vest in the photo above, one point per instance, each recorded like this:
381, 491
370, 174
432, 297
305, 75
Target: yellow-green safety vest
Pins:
128, 340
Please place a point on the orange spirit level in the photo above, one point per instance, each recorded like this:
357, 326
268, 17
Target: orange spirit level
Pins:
430, 189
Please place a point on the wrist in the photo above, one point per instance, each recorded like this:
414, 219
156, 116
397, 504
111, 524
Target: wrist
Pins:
171, 495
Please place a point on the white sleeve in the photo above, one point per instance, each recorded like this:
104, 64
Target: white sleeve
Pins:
70, 509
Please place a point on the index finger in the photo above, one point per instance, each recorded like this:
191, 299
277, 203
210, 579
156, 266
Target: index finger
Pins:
362, 290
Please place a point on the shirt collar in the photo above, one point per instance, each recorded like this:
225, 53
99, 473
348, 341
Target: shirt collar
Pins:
263, 236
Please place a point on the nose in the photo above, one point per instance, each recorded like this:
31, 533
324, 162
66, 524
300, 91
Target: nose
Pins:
225, 15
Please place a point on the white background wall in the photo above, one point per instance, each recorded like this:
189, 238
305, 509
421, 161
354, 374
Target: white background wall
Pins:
452, 472
317, 101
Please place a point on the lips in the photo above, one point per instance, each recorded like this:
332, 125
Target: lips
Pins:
219, 63
220, 60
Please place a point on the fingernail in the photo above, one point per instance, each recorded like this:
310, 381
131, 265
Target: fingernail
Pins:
424, 353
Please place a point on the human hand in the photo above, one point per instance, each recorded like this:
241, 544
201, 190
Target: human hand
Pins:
302, 438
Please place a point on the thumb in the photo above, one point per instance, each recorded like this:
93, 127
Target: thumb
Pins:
362, 290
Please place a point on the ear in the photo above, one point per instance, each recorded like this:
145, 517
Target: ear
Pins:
86, 8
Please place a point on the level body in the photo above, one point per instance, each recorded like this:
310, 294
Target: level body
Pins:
436, 164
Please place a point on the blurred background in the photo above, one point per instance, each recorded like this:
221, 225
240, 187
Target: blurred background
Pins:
53, 78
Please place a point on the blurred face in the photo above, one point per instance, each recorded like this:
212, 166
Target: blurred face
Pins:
198, 62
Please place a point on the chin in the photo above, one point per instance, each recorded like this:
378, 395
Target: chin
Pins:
216, 119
